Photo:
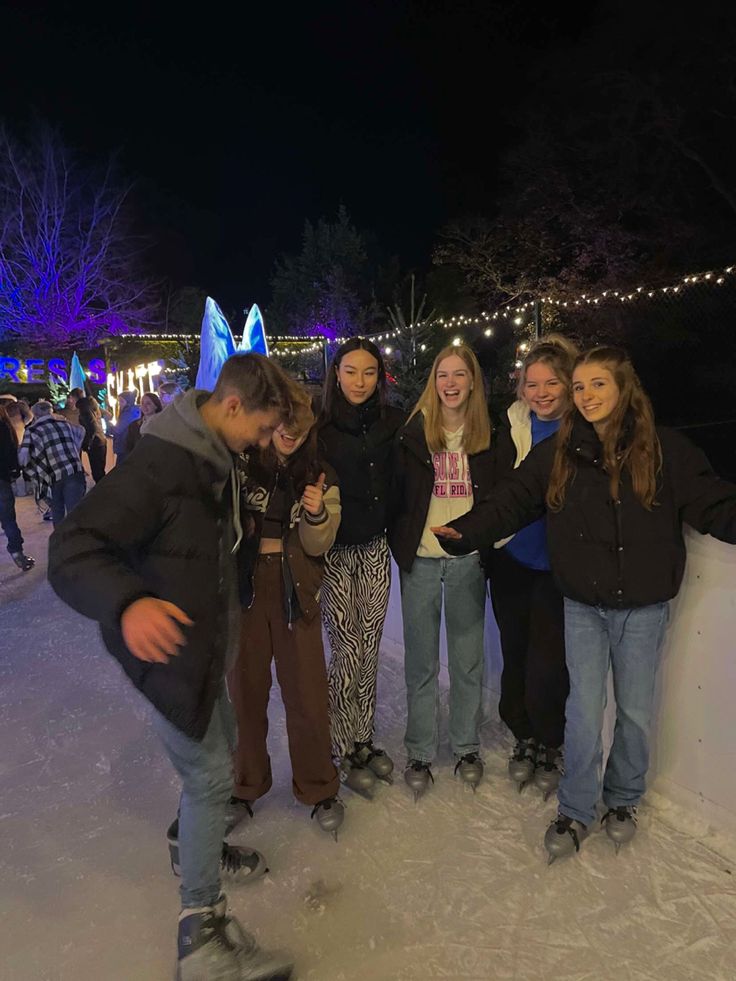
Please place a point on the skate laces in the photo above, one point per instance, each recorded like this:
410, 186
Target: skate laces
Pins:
549, 758
525, 749
420, 767
325, 805
212, 933
471, 758
370, 752
234, 859
625, 813
564, 825
241, 802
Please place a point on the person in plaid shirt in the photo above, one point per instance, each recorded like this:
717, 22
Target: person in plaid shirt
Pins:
50, 457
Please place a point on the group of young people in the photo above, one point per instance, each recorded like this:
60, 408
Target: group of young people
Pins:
244, 518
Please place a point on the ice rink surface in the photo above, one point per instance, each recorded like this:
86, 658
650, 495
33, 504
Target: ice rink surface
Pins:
455, 886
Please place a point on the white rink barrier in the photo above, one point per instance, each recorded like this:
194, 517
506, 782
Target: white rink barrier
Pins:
694, 736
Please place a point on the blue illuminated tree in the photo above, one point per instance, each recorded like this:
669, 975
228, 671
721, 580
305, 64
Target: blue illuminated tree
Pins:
69, 262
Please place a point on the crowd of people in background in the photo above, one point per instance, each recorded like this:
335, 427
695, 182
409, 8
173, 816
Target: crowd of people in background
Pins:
260, 516
43, 449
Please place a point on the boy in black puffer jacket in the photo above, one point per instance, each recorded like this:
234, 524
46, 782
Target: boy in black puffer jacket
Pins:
149, 554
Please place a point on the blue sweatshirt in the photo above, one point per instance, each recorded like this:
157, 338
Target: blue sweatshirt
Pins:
529, 546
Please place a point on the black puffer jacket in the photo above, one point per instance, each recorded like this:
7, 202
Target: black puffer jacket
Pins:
614, 554
358, 443
412, 489
156, 526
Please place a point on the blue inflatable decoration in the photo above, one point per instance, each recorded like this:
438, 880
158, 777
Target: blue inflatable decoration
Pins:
254, 333
77, 376
217, 343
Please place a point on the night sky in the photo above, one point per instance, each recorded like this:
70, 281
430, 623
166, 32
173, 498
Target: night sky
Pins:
236, 129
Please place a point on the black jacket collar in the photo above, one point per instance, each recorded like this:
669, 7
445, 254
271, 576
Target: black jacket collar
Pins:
354, 418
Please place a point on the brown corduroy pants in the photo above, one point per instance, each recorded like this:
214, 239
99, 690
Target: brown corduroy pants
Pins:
302, 678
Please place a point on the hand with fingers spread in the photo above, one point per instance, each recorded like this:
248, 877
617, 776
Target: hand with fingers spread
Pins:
150, 630
444, 532
313, 495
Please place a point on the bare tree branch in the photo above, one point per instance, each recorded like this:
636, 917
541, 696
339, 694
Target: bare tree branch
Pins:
69, 263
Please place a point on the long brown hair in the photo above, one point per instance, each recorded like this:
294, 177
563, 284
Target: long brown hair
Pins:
640, 452
477, 425
558, 353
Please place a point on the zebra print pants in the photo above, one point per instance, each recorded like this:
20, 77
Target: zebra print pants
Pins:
355, 592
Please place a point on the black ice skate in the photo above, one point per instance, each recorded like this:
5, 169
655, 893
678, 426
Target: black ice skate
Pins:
357, 776
238, 809
24, 562
620, 824
214, 947
523, 761
548, 770
239, 864
377, 760
330, 814
470, 768
564, 837
418, 776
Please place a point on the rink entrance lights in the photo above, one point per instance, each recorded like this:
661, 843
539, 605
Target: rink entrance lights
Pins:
139, 379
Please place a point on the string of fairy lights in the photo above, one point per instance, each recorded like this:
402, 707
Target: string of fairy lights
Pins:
715, 277
484, 320
290, 345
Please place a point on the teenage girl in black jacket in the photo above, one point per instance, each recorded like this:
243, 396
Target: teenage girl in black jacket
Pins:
617, 491
356, 431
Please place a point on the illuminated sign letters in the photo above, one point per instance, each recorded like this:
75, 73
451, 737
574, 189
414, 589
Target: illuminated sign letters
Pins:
29, 371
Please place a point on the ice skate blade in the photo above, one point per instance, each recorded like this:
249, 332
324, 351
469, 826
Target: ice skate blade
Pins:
387, 779
521, 785
550, 859
365, 794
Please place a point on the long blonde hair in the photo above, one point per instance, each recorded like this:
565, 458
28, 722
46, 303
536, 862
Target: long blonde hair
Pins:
642, 453
476, 426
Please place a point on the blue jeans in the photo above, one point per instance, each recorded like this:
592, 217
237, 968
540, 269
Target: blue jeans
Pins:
8, 520
630, 641
206, 775
65, 495
463, 583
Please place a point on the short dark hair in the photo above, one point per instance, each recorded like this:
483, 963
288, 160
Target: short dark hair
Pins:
77, 393
258, 383
153, 398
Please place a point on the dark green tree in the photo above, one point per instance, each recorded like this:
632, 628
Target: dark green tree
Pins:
328, 287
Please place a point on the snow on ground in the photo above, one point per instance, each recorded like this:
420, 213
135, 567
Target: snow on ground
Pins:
455, 886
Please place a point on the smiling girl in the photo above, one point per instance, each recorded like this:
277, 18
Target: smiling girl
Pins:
443, 465
526, 602
291, 512
617, 490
